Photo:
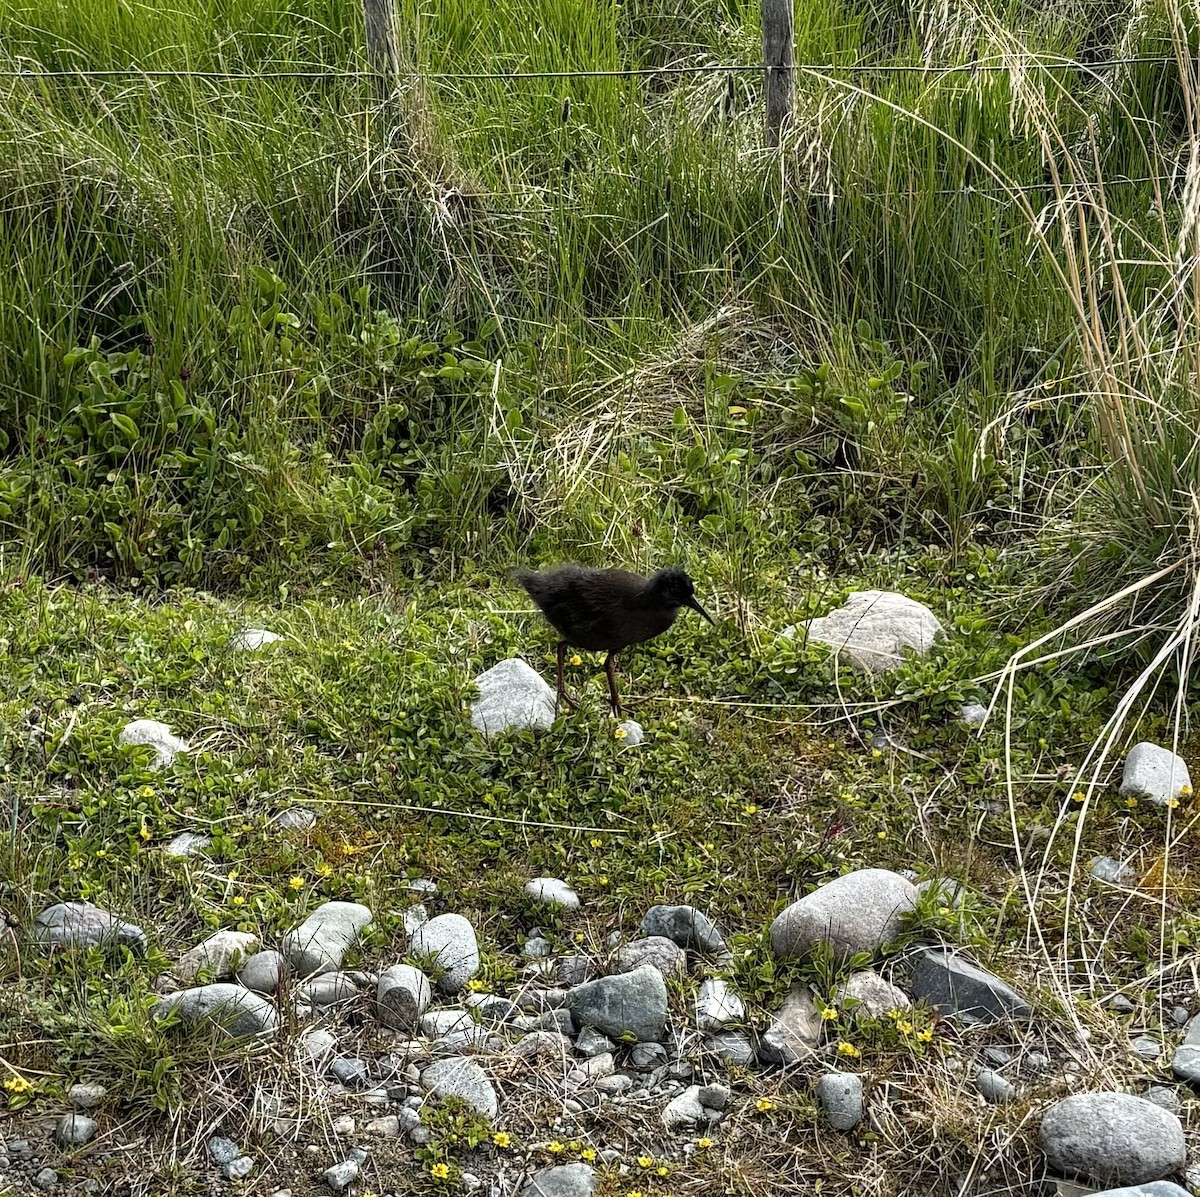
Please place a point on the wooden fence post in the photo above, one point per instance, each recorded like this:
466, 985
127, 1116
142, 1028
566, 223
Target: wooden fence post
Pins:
778, 30
383, 55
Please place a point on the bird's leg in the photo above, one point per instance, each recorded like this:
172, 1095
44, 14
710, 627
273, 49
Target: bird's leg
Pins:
610, 666
562, 695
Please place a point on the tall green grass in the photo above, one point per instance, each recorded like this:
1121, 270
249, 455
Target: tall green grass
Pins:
914, 238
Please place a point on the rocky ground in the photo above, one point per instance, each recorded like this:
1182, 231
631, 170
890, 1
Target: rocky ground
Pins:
663, 1055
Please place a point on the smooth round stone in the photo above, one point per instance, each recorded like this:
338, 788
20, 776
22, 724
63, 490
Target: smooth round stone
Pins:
840, 1095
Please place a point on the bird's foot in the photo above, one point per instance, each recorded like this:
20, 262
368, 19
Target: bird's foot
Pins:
571, 701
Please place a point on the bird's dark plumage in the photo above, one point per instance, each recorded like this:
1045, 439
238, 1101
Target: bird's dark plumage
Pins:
606, 610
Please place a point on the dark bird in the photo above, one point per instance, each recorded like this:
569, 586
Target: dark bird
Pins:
606, 610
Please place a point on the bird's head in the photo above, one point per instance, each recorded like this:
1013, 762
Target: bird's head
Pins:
674, 587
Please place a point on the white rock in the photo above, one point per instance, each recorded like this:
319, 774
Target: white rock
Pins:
457, 1076
717, 1005
552, 892
320, 943
685, 1111
451, 941
512, 696
187, 843
219, 956
634, 733
1155, 773
152, 734
402, 996
874, 627
252, 639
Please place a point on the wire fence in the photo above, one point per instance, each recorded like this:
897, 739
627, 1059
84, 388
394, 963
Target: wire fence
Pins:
830, 69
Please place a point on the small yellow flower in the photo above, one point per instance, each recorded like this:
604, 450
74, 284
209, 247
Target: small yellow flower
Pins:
926, 1036
576, 659
634, 1193
146, 792
588, 1154
238, 901
1078, 796
574, 1145
704, 1144
645, 1161
882, 835
297, 883
876, 753
18, 1084
663, 1170
101, 853
145, 832
904, 1027
440, 1171
324, 869
601, 880
893, 1014
764, 1104
1185, 791
750, 809
502, 1139
829, 1014
597, 842
710, 846
849, 1050
944, 911
556, 1148
621, 733
475, 985
1172, 802
1131, 802
347, 644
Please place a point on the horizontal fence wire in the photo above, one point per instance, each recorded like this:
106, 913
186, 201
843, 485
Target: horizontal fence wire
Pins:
829, 69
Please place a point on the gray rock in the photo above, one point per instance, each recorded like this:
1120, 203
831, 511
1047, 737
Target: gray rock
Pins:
457, 1076
648, 1055
565, 1180
414, 917
239, 1011
1120, 1004
684, 925
627, 1005
957, 987
731, 1047
1112, 1138
537, 948
858, 912
250, 640
187, 843
795, 1031
1106, 868
402, 996
1155, 773
240, 1168
1185, 1063
222, 1151
994, 1088
45, 1180
634, 733
575, 970
74, 1130
1147, 1048
321, 942
449, 940
1154, 1188
560, 1020
595, 1067
619, 1082
352, 1072
717, 1005
216, 958
657, 951
552, 892
684, 1111
329, 989
445, 1022
1179, 1016
1165, 1096
491, 1008
874, 627
592, 1043
263, 972
867, 994
973, 714
543, 1046
387, 1127
82, 925
715, 1097
86, 1095
422, 886
149, 733
512, 696
295, 818
341, 1176
840, 1096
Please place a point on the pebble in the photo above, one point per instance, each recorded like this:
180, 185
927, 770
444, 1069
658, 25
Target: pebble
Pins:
450, 941
957, 987
239, 1011
295, 818
1155, 773
564, 1180
994, 1088
387, 1127
187, 843
866, 993
685, 926
252, 639
550, 891
344, 1126
717, 1004
263, 972
83, 925
655, 950
402, 996
86, 1095
351, 1072
240, 1168
731, 1047
623, 1005
1185, 1063
512, 697
874, 628
1107, 868
341, 1176
684, 1111
150, 733
795, 1031
74, 1130
216, 958
840, 1096
458, 1076
592, 1043
1147, 1048
46, 1179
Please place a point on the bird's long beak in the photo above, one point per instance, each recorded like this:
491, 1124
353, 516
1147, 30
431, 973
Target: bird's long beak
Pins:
695, 606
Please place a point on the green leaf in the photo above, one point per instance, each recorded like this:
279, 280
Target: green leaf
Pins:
124, 424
